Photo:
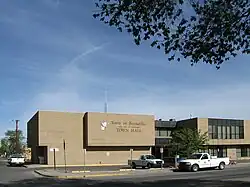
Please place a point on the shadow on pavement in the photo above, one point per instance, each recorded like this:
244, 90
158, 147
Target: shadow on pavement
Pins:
46, 182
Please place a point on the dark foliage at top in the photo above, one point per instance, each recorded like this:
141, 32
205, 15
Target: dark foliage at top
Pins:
211, 31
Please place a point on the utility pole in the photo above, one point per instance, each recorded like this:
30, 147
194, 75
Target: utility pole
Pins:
17, 136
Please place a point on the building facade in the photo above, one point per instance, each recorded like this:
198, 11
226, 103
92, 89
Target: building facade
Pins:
90, 138
163, 138
227, 137
109, 139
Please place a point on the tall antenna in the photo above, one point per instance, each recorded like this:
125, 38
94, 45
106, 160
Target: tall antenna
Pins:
17, 136
106, 101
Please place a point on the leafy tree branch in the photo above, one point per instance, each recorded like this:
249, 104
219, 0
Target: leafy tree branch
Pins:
211, 31
188, 140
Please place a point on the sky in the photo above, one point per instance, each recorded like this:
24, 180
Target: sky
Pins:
55, 56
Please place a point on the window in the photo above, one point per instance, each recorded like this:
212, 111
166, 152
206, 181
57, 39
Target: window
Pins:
224, 152
224, 132
215, 132
241, 135
210, 133
243, 152
233, 132
228, 133
237, 132
162, 132
204, 157
225, 129
219, 132
157, 132
213, 152
169, 133
238, 152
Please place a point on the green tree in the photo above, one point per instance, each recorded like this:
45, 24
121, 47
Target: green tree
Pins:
3, 146
8, 143
187, 141
209, 31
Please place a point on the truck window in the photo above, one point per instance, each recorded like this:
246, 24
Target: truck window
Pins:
205, 156
142, 157
150, 156
195, 156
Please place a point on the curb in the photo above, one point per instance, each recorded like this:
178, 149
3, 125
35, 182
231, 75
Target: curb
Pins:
151, 169
80, 171
44, 175
91, 175
81, 176
127, 170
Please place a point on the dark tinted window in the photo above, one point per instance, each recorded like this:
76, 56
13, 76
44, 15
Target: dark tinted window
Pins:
225, 129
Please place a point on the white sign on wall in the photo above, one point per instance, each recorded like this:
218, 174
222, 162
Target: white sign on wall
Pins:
103, 125
52, 149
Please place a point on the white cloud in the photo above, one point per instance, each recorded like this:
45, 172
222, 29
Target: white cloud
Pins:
73, 86
77, 89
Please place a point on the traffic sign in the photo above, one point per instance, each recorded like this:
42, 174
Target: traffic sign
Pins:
161, 150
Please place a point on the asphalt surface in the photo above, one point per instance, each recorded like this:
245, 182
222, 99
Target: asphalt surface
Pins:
10, 174
230, 177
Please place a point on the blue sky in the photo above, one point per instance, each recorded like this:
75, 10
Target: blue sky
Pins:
55, 56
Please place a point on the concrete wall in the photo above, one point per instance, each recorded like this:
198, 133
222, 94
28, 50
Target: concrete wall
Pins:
56, 126
231, 153
121, 130
33, 136
53, 127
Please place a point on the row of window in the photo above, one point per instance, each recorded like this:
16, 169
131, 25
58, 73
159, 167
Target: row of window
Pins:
219, 152
225, 132
243, 152
163, 132
226, 122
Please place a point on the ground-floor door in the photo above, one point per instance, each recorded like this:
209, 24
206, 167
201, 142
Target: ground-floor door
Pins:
42, 154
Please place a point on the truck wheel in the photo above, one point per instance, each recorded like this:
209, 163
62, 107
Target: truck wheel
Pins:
221, 166
194, 168
149, 165
133, 165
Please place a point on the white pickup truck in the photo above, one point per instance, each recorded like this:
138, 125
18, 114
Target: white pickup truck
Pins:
144, 161
202, 161
16, 160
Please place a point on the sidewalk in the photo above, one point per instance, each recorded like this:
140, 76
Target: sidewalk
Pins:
69, 175
60, 174
241, 164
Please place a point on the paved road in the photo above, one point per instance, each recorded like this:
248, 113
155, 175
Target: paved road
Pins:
231, 177
8, 174
229, 174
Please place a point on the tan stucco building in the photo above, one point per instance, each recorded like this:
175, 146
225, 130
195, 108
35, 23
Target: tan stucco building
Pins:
227, 137
107, 138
